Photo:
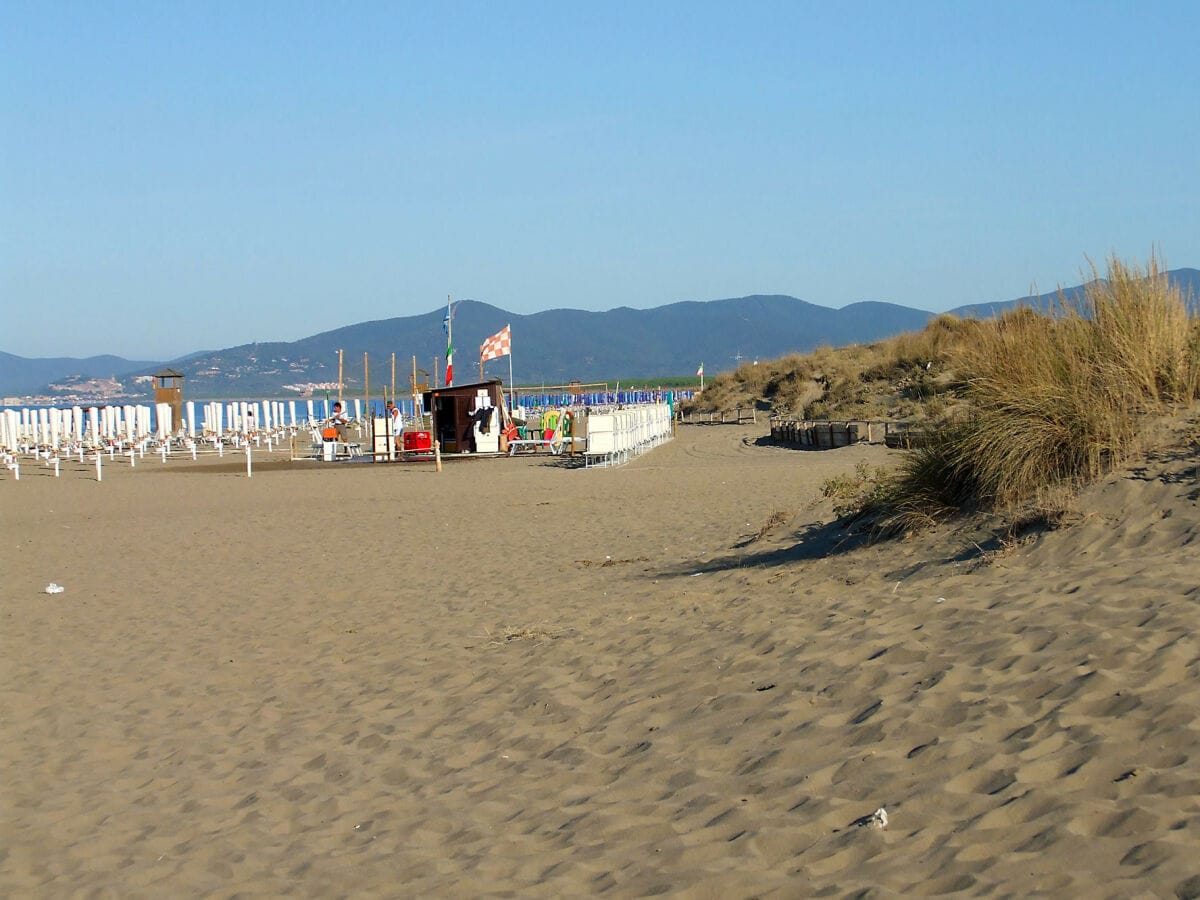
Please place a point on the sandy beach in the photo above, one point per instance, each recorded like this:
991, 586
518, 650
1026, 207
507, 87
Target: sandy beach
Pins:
518, 678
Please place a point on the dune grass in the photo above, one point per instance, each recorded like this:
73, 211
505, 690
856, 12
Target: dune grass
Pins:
1033, 402
899, 378
1055, 399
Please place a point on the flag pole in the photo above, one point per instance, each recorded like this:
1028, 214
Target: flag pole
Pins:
449, 344
512, 401
416, 396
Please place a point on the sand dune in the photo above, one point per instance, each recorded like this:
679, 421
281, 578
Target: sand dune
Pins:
520, 679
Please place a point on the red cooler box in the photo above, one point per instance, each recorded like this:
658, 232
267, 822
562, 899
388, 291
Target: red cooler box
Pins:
417, 442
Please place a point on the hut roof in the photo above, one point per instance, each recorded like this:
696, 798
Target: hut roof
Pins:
468, 387
168, 373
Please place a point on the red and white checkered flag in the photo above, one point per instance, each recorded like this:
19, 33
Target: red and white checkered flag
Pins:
499, 344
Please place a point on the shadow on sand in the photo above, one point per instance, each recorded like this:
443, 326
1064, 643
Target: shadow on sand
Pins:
818, 541
971, 541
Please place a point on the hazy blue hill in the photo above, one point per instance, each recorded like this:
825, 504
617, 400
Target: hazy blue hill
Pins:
875, 320
1188, 281
549, 347
19, 375
553, 346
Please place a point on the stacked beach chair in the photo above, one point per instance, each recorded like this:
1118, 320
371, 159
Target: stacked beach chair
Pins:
616, 436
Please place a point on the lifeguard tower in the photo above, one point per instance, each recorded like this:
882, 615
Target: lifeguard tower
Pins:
168, 388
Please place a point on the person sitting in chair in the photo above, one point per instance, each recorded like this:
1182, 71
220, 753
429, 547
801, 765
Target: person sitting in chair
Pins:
337, 419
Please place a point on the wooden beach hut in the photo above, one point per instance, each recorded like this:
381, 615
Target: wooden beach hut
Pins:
461, 417
168, 388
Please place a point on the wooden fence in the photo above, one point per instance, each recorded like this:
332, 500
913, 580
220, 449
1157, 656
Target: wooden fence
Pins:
738, 416
810, 434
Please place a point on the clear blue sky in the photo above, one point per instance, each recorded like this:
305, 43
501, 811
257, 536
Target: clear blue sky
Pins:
185, 176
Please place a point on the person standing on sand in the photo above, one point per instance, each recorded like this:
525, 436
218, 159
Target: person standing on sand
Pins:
397, 424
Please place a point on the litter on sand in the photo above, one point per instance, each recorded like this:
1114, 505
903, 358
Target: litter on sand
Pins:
877, 819
53, 588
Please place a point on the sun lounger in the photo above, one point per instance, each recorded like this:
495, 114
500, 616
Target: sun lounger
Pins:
554, 446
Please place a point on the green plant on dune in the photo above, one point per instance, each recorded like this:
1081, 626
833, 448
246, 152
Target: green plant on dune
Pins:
849, 490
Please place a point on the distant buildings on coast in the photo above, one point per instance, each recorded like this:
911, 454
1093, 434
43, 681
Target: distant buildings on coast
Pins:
78, 390
103, 391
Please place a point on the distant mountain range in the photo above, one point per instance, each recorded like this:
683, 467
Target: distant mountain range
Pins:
551, 347
19, 375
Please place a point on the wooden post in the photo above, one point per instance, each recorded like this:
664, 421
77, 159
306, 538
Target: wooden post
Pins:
391, 455
433, 432
340, 379
367, 386
416, 405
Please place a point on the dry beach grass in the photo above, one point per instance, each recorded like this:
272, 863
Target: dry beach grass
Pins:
518, 679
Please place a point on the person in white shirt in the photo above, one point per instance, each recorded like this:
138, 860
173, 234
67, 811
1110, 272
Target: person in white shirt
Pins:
337, 419
397, 424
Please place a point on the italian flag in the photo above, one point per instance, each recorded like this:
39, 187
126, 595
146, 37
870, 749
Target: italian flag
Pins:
448, 327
